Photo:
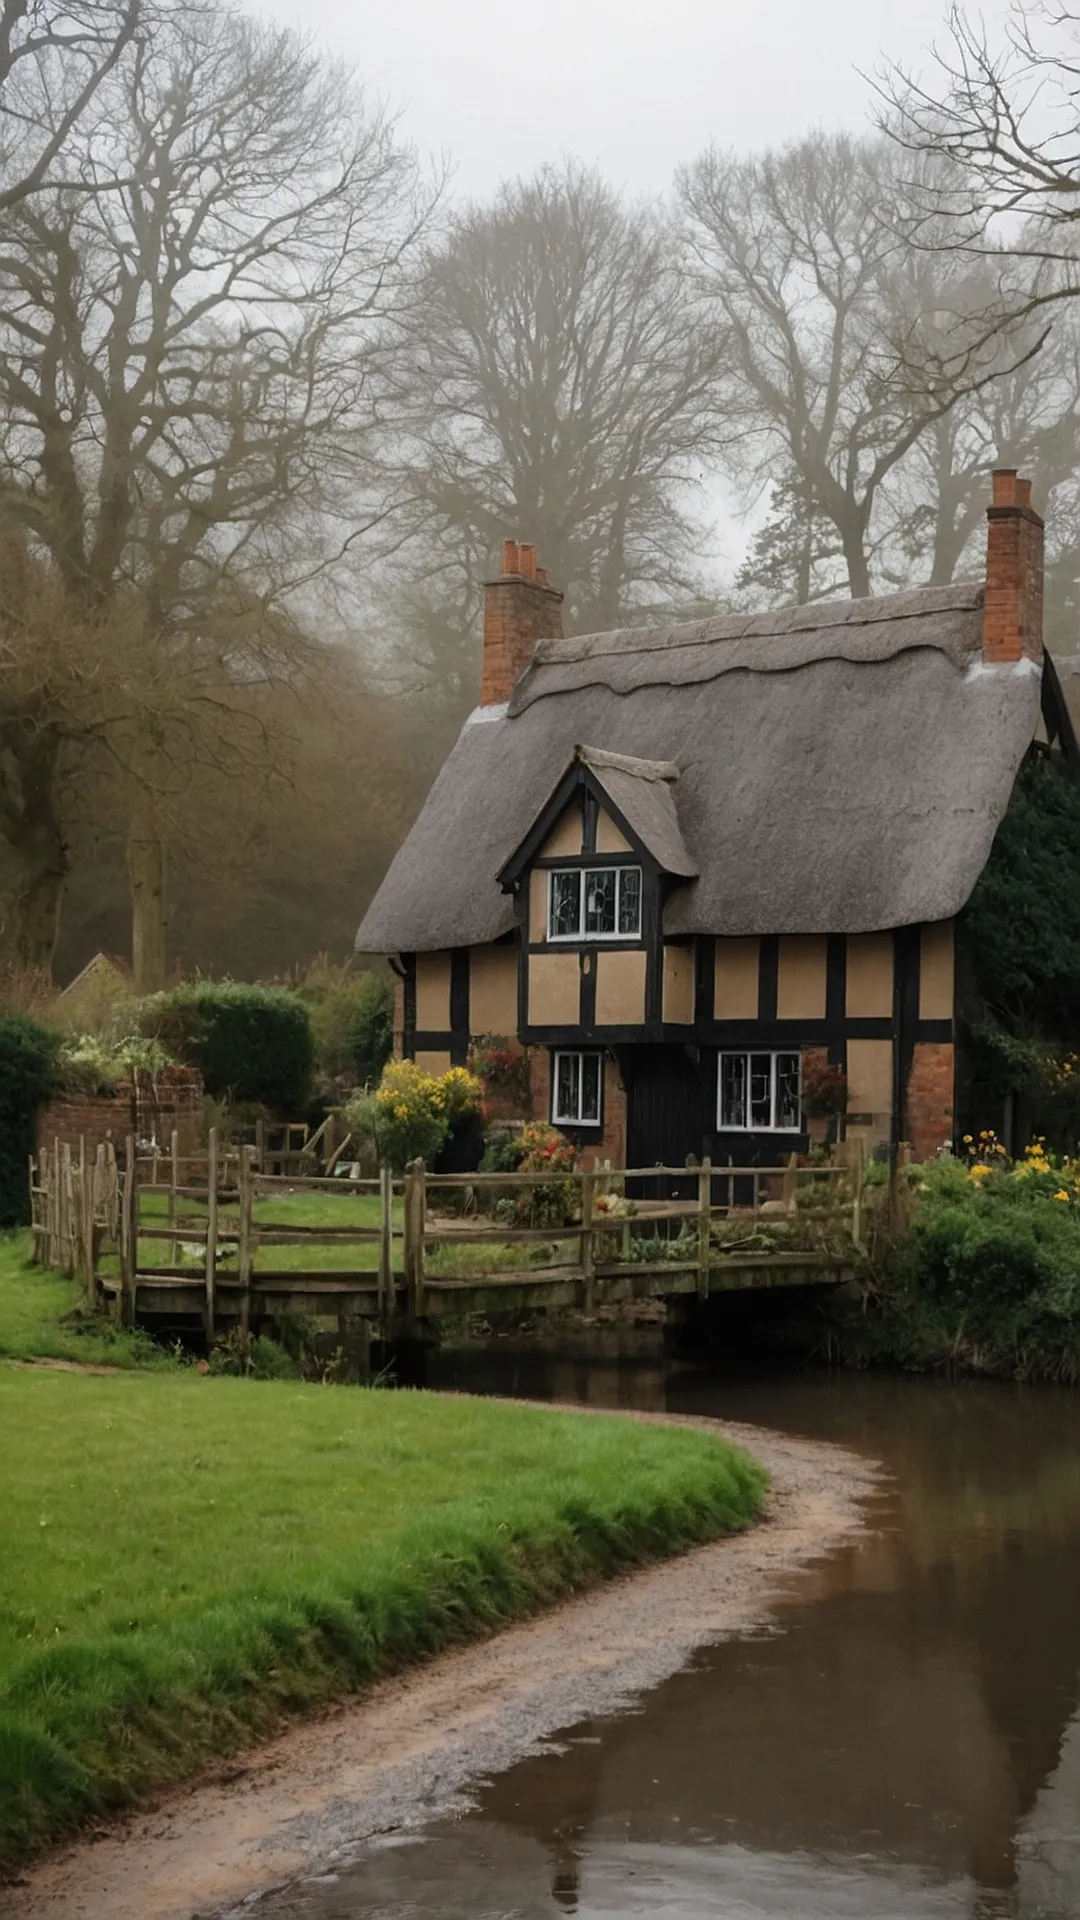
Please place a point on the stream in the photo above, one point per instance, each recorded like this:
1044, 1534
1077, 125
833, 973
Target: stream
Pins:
903, 1744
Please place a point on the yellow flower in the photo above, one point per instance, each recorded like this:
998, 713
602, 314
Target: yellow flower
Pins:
1061, 1194
967, 1139
979, 1171
401, 1111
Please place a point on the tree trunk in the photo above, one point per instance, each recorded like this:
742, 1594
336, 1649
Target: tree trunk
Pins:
36, 867
858, 570
146, 873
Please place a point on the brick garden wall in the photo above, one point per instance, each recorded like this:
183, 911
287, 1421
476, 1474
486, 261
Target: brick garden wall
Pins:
147, 1108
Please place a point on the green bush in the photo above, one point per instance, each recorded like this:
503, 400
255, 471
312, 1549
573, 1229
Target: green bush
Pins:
352, 1019
251, 1044
28, 1075
986, 1278
371, 1027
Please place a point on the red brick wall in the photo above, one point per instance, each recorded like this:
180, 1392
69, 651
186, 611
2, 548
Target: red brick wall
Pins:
1013, 609
519, 609
144, 1107
86, 1116
929, 1105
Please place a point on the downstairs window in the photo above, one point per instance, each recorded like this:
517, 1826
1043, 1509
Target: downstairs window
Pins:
576, 1081
759, 1093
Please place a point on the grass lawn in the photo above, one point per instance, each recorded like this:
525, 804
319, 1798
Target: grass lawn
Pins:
186, 1559
36, 1323
452, 1256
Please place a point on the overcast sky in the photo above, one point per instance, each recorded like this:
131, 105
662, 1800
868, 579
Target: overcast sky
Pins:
635, 85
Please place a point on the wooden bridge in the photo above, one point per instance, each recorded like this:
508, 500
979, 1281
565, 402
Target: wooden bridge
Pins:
234, 1252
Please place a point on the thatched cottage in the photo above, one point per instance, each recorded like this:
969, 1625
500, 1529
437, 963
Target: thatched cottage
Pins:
688, 866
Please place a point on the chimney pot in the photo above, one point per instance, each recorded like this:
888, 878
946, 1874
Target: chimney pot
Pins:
520, 608
1013, 603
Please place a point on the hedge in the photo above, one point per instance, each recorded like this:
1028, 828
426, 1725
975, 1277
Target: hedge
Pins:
28, 1075
251, 1044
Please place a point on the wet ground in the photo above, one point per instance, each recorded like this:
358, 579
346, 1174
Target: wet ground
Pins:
905, 1745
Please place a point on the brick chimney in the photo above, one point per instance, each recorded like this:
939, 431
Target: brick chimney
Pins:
520, 608
1013, 610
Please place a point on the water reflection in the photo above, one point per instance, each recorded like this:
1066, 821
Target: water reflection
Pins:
906, 1746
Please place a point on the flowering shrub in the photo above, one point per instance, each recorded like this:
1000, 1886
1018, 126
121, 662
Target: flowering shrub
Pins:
503, 1066
411, 1113
824, 1088
536, 1148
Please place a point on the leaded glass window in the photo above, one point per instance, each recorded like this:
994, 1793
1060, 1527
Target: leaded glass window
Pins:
576, 1084
594, 903
759, 1093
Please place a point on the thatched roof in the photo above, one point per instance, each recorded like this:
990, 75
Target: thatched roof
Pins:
638, 791
842, 768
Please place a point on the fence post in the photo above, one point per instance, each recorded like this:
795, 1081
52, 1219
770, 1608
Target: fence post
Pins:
174, 1182
243, 1254
588, 1192
704, 1222
788, 1188
67, 1184
211, 1230
260, 1144
415, 1221
386, 1247
856, 1202
56, 1257
129, 1232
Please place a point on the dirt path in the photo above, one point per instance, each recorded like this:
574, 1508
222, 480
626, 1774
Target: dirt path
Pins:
409, 1748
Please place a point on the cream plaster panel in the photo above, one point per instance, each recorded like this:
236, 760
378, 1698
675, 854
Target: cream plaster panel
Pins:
870, 1078
493, 990
538, 903
936, 978
433, 992
869, 976
800, 984
678, 994
565, 836
436, 1063
608, 837
554, 990
737, 979
620, 988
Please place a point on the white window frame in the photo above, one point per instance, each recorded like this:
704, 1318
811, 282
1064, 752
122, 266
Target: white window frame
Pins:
581, 938
580, 1053
745, 1053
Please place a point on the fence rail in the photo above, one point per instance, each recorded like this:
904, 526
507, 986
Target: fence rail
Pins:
429, 1243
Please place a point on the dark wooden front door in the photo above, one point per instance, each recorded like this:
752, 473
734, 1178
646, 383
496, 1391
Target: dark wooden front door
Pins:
664, 1120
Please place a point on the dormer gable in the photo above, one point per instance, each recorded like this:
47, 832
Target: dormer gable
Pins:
611, 804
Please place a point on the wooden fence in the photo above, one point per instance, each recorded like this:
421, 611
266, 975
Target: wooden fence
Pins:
430, 1245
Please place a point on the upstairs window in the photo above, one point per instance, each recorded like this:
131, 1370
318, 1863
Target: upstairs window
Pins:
575, 1089
760, 1093
594, 903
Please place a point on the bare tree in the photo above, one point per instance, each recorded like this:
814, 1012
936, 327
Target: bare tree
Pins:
845, 344
62, 48
559, 387
191, 376
1005, 120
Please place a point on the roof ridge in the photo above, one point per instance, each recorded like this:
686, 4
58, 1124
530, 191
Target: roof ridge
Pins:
601, 757
726, 629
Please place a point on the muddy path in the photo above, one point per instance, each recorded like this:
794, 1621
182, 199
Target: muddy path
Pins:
408, 1749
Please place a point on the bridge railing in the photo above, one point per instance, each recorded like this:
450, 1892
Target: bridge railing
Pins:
429, 1245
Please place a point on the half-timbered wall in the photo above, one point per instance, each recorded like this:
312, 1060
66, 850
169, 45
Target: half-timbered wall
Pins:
878, 1005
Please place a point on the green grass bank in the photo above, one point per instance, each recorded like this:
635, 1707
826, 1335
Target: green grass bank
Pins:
188, 1560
